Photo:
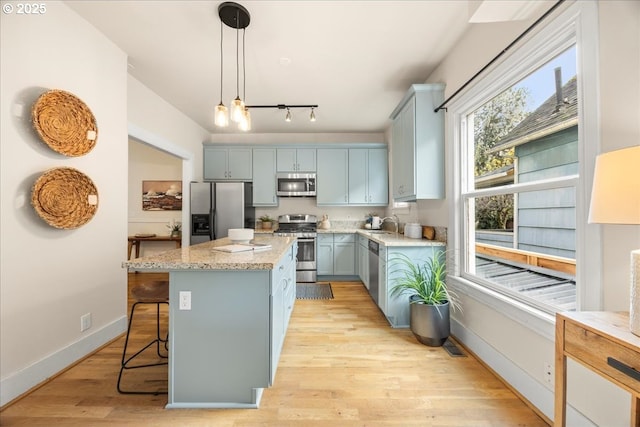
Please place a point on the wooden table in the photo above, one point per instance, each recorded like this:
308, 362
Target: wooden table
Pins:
602, 342
136, 241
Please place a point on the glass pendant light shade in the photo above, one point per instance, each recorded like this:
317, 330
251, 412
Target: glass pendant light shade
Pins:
221, 115
312, 116
237, 109
287, 118
245, 123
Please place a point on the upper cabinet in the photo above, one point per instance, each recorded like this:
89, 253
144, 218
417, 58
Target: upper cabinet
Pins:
417, 145
231, 164
296, 159
368, 176
264, 177
332, 177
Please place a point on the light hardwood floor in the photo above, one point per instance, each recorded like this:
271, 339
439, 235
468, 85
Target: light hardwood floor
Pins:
342, 365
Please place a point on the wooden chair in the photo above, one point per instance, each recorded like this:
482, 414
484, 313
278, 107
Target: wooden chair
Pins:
155, 292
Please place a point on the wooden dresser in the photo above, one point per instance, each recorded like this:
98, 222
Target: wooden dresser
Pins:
600, 341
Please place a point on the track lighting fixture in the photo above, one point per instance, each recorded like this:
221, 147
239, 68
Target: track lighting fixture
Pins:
237, 17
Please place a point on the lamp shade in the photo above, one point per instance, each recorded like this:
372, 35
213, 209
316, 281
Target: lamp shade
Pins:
615, 197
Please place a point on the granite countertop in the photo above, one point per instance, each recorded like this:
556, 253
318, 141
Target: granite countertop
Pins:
387, 238
383, 237
203, 257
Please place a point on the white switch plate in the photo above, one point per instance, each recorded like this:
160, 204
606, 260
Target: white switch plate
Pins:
185, 300
85, 322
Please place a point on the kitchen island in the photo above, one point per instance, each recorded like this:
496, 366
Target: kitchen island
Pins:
228, 316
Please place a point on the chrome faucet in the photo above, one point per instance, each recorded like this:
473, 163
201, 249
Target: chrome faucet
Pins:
393, 218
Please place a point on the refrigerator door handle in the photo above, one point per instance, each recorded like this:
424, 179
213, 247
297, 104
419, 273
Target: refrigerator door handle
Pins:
212, 221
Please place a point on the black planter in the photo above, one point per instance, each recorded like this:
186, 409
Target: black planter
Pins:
429, 323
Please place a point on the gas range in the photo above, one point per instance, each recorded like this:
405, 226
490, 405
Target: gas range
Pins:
304, 228
297, 225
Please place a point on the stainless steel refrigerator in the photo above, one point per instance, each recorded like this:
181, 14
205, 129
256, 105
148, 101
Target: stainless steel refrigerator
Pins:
218, 206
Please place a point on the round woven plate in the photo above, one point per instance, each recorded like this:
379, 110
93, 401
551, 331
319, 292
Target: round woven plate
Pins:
65, 123
65, 198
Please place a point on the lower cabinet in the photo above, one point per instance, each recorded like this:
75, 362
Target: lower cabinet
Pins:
396, 308
336, 254
283, 295
362, 250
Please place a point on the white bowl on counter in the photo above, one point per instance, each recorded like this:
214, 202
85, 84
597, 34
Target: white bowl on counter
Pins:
241, 235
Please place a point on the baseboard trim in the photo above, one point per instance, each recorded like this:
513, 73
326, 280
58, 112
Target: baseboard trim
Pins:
527, 387
19, 384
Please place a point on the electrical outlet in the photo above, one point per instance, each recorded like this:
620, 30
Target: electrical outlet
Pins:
548, 373
185, 300
85, 322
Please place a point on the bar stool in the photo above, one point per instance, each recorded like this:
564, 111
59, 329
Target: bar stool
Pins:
154, 292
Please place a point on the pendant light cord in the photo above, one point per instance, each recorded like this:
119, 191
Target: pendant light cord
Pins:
221, 61
237, 54
244, 71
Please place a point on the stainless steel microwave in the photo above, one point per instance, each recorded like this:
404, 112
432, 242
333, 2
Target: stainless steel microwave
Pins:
296, 184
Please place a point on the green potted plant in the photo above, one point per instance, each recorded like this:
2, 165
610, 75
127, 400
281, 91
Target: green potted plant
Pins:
175, 229
429, 298
266, 221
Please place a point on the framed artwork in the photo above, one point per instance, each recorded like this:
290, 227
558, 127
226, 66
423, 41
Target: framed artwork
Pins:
161, 195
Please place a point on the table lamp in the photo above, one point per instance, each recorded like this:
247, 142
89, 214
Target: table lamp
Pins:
615, 199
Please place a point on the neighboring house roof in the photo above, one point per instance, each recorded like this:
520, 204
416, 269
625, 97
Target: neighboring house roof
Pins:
500, 176
545, 120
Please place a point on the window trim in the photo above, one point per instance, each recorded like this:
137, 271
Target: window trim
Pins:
567, 27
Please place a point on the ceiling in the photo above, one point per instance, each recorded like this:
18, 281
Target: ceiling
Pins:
355, 59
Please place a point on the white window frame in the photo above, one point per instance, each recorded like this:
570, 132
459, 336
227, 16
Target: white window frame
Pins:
577, 24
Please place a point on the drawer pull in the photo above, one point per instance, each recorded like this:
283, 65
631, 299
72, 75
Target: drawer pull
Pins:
625, 369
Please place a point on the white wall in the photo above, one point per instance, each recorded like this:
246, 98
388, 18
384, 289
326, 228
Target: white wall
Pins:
51, 277
516, 351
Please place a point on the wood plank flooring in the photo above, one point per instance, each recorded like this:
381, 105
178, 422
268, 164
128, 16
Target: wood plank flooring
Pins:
341, 365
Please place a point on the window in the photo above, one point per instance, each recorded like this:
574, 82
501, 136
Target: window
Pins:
522, 163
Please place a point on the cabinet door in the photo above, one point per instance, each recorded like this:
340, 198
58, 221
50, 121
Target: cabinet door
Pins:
264, 177
325, 257
377, 177
306, 159
332, 177
286, 159
344, 260
240, 164
408, 149
358, 191
215, 163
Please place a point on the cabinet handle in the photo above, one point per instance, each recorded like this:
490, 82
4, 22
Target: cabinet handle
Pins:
629, 371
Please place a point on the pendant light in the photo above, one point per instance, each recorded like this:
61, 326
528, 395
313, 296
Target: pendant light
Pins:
221, 115
237, 105
237, 17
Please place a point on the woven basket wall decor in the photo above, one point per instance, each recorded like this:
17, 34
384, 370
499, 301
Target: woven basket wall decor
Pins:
65, 198
64, 123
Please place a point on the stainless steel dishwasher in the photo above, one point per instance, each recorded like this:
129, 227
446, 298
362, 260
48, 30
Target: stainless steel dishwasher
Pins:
374, 249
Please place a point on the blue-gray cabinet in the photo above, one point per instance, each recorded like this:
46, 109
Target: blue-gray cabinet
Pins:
226, 348
368, 177
336, 254
362, 250
296, 160
332, 184
396, 309
264, 177
225, 163
417, 144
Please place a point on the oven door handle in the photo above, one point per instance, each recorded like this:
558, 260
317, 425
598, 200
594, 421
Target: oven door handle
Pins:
303, 240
